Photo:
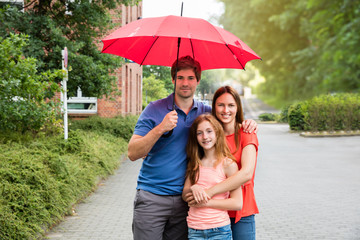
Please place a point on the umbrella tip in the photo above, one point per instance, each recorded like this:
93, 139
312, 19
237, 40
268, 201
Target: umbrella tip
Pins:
182, 5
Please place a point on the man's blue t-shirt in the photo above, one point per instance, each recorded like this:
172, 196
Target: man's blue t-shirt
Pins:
163, 169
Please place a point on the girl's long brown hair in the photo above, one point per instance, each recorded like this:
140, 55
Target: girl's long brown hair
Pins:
239, 118
195, 152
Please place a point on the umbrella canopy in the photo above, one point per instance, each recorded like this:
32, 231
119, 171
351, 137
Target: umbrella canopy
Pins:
155, 41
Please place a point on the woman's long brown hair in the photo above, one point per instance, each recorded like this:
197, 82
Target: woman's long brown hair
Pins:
239, 118
195, 152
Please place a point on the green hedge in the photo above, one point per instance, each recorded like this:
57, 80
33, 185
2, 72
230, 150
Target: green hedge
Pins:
265, 117
41, 178
119, 126
326, 113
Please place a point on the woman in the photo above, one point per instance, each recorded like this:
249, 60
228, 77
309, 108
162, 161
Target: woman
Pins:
227, 109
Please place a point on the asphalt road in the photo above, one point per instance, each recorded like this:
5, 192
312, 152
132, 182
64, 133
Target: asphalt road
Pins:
253, 107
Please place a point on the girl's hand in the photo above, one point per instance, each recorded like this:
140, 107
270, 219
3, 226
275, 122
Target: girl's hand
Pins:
199, 194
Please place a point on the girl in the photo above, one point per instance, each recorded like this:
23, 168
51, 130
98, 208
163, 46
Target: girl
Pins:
227, 109
210, 162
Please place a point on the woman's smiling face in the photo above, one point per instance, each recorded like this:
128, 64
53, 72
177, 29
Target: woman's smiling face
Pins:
226, 109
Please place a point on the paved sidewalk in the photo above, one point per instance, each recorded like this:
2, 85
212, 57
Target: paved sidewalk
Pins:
306, 188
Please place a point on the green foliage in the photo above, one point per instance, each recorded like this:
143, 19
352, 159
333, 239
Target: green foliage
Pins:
308, 47
296, 116
119, 126
42, 178
267, 117
51, 28
23, 89
161, 73
326, 113
153, 89
209, 82
283, 116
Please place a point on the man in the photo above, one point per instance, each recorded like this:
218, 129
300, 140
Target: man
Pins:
159, 211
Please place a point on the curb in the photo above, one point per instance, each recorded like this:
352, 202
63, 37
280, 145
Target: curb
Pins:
331, 134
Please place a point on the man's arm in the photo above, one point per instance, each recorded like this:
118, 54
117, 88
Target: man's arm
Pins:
140, 146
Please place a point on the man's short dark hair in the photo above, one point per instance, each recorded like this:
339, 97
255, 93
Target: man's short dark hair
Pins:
187, 62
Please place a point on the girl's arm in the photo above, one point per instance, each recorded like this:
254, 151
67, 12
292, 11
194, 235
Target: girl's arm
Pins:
248, 159
195, 191
186, 189
235, 200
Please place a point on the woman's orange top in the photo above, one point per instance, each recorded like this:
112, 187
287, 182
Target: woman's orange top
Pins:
249, 204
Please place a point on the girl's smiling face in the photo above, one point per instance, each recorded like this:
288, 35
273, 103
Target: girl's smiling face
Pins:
206, 136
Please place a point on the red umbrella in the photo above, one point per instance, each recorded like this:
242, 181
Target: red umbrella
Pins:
162, 40
156, 41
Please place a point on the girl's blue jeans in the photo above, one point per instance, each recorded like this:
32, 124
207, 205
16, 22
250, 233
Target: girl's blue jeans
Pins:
243, 229
220, 233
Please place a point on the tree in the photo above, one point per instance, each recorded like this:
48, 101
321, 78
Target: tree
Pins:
209, 82
153, 89
308, 47
161, 73
23, 89
78, 25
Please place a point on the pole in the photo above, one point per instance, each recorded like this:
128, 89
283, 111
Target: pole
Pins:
64, 83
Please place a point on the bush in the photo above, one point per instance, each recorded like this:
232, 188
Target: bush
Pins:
42, 178
296, 116
119, 126
23, 90
326, 113
283, 116
267, 117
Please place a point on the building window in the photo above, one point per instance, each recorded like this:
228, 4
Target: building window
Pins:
80, 104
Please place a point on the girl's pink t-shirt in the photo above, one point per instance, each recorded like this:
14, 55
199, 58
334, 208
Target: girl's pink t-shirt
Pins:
205, 217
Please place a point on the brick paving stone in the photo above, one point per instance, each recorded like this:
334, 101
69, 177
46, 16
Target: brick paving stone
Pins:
306, 188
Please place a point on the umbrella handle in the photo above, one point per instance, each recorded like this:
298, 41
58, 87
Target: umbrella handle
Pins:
168, 134
176, 69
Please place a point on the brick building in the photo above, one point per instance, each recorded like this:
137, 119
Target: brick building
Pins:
129, 77
129, 82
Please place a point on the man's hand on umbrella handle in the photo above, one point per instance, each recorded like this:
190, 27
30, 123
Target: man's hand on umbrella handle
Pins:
169, 122
249, 126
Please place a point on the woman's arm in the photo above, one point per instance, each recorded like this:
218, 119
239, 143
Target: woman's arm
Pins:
235, 200
248, 159
249, 126
195, 191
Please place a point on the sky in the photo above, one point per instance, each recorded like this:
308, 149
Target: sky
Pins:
205, 9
